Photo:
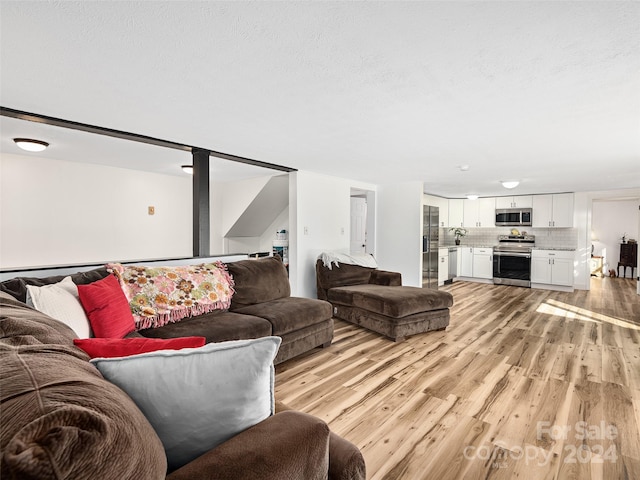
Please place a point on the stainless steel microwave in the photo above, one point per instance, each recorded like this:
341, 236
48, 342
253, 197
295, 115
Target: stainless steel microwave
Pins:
513, 217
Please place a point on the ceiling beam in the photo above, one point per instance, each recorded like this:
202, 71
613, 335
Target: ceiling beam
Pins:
134, 137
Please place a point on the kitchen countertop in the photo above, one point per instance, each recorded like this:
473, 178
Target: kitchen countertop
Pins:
483, 245
470, 245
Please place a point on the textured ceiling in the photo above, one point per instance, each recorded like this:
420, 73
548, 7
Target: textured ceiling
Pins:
547, 93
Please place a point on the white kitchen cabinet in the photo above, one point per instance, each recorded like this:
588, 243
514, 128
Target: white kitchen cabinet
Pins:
443, 208
479, 213
443, 265
483, 263
466, 261
456, 212
518, 201
553, 210
487, 212
444, 214
552, 267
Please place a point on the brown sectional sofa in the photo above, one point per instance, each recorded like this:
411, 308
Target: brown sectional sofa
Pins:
375, 299
62, 420
262, 305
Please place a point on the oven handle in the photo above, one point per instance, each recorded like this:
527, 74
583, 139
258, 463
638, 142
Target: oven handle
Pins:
512, 254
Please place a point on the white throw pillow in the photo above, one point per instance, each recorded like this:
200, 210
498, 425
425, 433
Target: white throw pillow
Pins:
60, 301
197, 398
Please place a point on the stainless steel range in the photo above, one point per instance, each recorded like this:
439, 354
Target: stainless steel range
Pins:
512, 260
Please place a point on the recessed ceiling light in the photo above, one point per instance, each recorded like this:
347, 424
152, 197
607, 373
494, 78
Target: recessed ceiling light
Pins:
463, 168
472, 197
187, 169
31, 145
510, 184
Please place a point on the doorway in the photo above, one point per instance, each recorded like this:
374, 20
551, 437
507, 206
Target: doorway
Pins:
613, 219
362, 225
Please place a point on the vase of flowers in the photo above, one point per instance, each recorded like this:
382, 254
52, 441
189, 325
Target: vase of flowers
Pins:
458, 232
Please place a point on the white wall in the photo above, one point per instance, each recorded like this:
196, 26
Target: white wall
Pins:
227, 202
610, 221
58, 212
320, 204
280, 223
262, 243
399, 230
582, 222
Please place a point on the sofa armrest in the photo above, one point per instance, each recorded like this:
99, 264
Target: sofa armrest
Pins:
345, 459
291, 445
382, 277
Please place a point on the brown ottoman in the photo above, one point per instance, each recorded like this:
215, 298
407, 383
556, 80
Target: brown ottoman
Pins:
390, 309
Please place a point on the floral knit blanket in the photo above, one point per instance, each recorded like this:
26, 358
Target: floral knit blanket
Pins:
161, 295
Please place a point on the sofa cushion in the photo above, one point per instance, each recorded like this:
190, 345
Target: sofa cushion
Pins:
218, 326
107, 308
290, 314
258, 281
395, 302
60, 419
199, 397
17, 287
60, 301
123, 347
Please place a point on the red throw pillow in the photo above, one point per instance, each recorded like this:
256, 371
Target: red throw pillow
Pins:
123, 347
107, 308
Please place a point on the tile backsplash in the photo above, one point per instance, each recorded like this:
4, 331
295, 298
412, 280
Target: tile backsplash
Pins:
545, 237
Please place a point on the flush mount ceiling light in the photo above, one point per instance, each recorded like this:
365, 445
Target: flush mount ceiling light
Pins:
510, 184
472, 197
187, 169
31, 145
463, 168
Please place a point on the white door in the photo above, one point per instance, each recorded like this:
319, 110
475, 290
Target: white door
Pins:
358, 225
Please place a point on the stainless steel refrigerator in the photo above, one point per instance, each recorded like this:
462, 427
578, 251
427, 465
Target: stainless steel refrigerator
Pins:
430, 227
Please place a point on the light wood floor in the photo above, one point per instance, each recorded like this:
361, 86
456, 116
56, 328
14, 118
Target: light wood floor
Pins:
524, 383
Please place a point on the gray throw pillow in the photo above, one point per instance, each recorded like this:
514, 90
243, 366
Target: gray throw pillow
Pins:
197, 398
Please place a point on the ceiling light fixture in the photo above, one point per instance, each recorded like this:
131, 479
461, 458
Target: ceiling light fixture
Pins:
187, 169
463, 168
472, 197
31, 145
510, 184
